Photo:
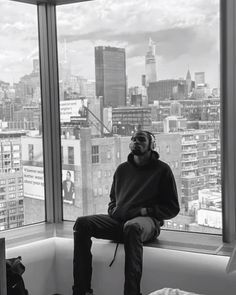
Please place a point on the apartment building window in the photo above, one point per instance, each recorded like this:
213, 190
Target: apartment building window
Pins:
6, 148
12, 211
11, 196
95, 154
95, 192
11, 188
3, 212
71, 157
108, 155
16, 155
11, 180
31, 152
100, 191
16, 147
2, 204
2, 189
99, 174
12, 203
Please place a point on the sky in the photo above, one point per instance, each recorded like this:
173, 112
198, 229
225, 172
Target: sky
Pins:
186, 33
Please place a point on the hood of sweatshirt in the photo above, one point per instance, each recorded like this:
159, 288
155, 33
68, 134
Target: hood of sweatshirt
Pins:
152, 161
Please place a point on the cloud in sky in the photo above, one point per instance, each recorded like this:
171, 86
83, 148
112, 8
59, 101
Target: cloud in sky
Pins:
186, 33
18, 39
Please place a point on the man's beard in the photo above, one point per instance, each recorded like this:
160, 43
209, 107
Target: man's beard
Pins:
137, 151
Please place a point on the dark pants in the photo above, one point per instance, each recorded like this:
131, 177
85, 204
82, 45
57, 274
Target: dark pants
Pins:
132, 233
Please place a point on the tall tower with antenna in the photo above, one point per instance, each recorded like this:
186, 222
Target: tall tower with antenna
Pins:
188, 82
150, 62
64, 64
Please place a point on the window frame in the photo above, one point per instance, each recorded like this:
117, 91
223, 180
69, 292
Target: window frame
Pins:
95, 154
71, 155
228, 138
51, 121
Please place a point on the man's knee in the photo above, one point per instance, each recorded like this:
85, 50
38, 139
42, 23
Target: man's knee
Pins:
131, 227
82, 224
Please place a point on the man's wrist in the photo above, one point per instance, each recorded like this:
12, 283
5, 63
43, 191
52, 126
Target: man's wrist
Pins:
144, 211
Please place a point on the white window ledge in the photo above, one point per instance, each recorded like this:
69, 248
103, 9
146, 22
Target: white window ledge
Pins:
174, 240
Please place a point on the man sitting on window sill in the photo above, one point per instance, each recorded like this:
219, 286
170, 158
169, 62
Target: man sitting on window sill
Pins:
143, 194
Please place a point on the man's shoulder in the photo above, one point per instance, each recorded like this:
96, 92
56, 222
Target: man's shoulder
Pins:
163, 165
123, 165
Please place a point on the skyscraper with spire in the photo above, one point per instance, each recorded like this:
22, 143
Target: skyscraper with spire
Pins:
64, 65
150, 62
188, 82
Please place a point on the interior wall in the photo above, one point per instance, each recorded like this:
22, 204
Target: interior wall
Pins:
39, 260
200, 273
49, 269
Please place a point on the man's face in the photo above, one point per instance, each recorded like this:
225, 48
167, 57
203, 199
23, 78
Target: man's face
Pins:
140, 144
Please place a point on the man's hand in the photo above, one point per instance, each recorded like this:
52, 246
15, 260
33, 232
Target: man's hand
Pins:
144, 212
118, 213
132, 213
122, 214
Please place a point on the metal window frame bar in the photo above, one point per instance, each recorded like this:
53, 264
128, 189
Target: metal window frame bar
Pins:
228, 118
50, 111
52, 2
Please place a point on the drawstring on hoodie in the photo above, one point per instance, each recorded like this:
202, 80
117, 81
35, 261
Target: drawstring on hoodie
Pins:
114, 257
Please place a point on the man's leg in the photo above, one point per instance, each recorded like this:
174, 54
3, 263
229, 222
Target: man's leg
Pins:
136, 231
98, 226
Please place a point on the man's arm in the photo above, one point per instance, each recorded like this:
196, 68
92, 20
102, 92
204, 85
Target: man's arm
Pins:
112, 203
168, 205
119, 214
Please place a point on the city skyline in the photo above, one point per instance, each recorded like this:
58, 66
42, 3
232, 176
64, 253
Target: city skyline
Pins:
186, 37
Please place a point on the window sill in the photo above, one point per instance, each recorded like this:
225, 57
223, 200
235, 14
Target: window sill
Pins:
172, 240
27, 234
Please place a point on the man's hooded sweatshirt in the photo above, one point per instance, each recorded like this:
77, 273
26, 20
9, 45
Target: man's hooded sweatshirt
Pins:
150, 186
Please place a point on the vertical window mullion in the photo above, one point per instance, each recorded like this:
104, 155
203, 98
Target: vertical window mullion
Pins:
50, 111
228, 94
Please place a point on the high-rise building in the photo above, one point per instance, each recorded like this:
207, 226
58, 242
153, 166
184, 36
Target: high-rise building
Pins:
36, 66
143, 80
150, 62
11, 180
129, 119
199, 78
189, 82
110, 70
91, 162
193, 110
164, 89
27, 91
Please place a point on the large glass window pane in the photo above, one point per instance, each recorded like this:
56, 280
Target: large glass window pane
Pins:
21, 156
125, 65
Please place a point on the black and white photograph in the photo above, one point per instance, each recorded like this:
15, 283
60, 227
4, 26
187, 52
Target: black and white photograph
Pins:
68, 187
117, 147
